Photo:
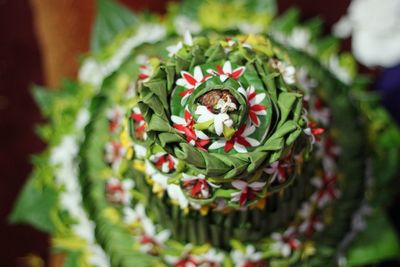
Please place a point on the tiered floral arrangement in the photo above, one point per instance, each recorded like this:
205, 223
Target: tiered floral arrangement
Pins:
224, 147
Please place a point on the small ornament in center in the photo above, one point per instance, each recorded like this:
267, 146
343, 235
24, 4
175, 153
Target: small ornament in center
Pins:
219, 101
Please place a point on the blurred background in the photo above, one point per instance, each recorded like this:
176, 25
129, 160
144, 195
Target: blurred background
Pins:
40, 43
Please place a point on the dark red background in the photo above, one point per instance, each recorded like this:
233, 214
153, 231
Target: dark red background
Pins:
20, 67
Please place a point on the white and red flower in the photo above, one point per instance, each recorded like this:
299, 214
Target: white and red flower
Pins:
150, 240
311, 225
311, 221
329, 148
319, 112
164, 161
226, 71
186, 126
197, 185
191, 82
133, 216
185, 260
212, 258
140, 125
254, 106
247, 191
219, 120
313, 131
286, 242
278, 170
326, 189
230, 43
114, 116
115, 152
328, 151
308, 83
145, 71
248, 258
177, 196
160, 181
288, 71
118, 192
239, 141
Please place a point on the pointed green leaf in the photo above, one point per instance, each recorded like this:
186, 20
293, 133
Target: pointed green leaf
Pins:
111, 19
377, 242
34, 205
44, 97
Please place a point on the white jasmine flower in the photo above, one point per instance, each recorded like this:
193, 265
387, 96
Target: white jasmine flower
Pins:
254, 107
239, 141
219, 120
247, 257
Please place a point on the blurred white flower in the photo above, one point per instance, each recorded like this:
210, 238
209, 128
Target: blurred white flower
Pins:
249, 257
176, 194
285, 242
184, 24
375, 29
98, 257
288, 71
187, 40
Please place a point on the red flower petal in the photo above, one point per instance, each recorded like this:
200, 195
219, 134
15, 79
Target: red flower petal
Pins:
317, 131
196, 188
228, 145
254, 118
185, 92
251, 96
205, 77
189, 78
243, 141
240, 130
258, 107
137, 116
190, 135
220, 70
293, 244
160, 162
237, 72
188, 116
179, 127
141, 128
170, 162
143, 76
202, 142
243, 198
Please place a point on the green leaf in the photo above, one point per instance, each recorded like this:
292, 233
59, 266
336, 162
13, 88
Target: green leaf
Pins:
71, 259
34, 205
287, 21
203, 125
376, 243
111, 19
44, 97
267, 6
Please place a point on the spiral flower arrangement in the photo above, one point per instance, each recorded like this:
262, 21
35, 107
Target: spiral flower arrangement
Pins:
224, 147
229, 114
